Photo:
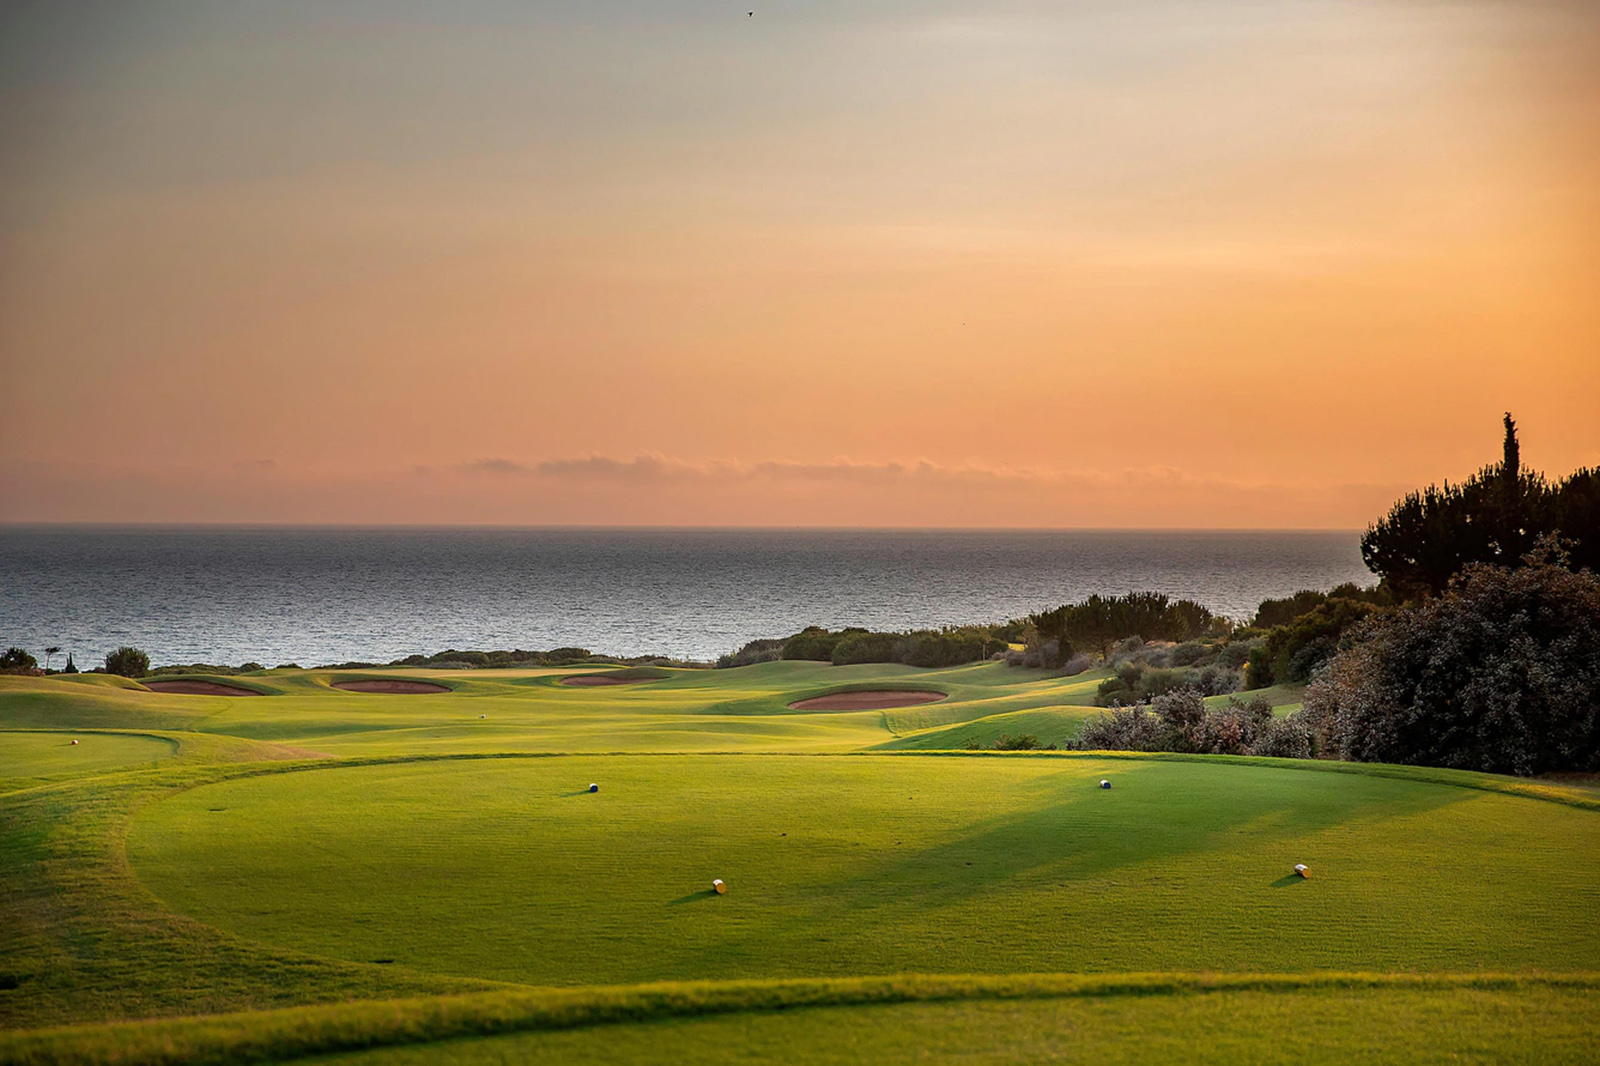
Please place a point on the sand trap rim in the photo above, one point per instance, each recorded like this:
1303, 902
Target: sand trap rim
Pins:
199, 686
869, 699
391, 686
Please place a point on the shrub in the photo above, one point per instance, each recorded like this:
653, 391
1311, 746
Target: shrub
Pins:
128, 662
1182, 712
1076, 665
1501, 674
1026, 742
1136, 682
1216, 680
1236, 653
1297, 649
756, 651
1188, 654
1258, 671
1100, 621
866, 647
948, 648
1123, 729
1285, 738
813, 643
17, 661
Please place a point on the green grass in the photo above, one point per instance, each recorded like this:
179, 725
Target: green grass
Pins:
1013, 1018
199, 854
1318, 1026
28, 758
862, 864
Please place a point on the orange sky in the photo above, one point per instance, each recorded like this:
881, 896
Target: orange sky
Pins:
1144, 263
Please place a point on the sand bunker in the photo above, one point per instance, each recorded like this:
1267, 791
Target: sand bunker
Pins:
198, 688
391, 685
592, 680
879, 700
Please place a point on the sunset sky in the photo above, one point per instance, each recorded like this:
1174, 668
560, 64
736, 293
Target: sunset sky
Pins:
1091, 263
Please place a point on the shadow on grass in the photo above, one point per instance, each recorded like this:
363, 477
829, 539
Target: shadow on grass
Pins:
1288, 879
709, 893
580, 792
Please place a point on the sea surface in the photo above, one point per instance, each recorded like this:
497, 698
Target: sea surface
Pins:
313, 596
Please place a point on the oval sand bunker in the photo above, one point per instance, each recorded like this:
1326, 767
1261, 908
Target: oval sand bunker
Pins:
390, 685
198, 688
592, 680
880, 700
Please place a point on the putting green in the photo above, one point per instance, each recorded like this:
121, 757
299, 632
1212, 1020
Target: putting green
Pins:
28, 755
1544, 1026
508, 869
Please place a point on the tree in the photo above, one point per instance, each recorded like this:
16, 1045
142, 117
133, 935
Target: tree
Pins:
50, 653
128, 662
1575, 510
1493, 517
71, 667
1501, 673
16, 660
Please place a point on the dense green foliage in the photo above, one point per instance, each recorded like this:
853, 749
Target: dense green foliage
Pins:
755, 651
17, 661
855, 646
127, 662
1100, 621
1494, 517
1501, 673
1273, 613
1293, 651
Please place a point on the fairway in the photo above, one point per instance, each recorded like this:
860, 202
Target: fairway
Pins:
509, 869
307, 857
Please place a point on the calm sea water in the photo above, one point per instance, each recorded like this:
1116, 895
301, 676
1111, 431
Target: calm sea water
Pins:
325, 595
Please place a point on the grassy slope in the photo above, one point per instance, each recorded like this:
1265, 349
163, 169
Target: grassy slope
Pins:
89, 941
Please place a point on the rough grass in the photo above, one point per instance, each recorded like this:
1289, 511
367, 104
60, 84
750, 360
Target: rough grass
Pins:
1335, 1026
1429, 1007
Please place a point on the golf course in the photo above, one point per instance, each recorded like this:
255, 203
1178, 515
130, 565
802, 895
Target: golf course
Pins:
444, 865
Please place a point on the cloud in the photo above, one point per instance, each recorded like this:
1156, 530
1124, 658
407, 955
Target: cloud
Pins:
496, 466
648, 469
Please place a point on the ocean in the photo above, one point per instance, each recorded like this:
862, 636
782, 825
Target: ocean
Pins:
308, 596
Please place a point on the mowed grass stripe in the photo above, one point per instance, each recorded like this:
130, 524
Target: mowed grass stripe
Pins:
302, 1031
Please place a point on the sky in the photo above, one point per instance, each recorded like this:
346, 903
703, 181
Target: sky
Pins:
1090, 263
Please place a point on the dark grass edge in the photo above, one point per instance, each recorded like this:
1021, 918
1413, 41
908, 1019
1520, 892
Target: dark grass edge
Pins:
295, 1032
